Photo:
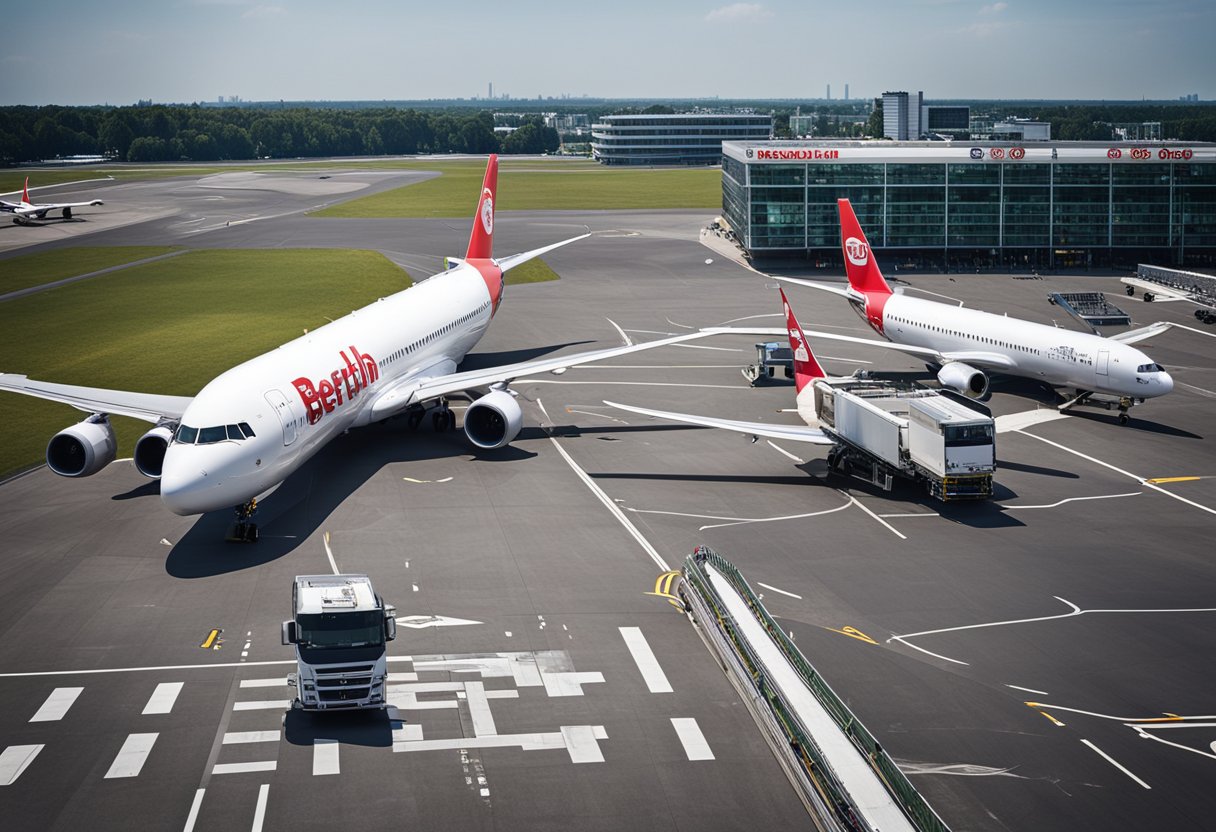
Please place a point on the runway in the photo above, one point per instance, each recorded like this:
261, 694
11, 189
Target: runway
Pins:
1037, 662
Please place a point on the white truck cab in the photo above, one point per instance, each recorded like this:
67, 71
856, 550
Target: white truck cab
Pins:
340, 629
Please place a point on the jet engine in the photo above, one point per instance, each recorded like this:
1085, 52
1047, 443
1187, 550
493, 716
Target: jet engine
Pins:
83, 449
493, 420
150, 451
964, 379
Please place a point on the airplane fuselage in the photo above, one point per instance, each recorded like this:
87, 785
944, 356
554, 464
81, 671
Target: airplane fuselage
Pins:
1056, 356
298, 397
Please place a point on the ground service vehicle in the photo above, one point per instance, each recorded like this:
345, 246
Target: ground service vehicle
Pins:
340, 628
882, 432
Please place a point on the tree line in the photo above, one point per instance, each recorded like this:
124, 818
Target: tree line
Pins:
160, 133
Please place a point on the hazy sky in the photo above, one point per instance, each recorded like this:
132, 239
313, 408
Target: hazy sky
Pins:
119, 51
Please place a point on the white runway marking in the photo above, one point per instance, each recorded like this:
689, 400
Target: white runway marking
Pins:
1181, 721
1200, 390
1143, 732
56, 705
1017, 421
624, 337
324, 757
259, 813
1138, 479
132, 756
479, 709
240, 737
163, 698
751, 318
1115, 763
194, 807
655, 366
582, 743
329, 553
1029, 690
611, 506
890, 528
785, 452
1075, 611
781, 591
681, 326
644, 658
736, 521
96, 670
14, 760
695, 746
259, 705
243, 768
276, 682
597, 415
1059, 503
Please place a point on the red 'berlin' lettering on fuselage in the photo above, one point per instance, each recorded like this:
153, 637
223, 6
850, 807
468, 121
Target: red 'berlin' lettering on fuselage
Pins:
360, 371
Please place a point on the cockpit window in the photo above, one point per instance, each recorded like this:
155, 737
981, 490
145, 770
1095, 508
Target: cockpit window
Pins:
186, 434
206, 436
1150, 368
249, 434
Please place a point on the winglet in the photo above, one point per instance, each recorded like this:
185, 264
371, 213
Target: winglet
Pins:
859, 263
481, 241
806, 367
25, 192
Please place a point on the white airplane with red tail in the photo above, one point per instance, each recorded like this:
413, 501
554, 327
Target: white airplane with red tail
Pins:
24, 211
251, 427
966, 344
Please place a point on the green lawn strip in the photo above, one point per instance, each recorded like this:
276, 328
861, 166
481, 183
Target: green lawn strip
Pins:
453, 194
534, 271
12, 179
36, 269
170, 327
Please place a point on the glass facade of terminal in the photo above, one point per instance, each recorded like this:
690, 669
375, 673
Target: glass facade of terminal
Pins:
982, 213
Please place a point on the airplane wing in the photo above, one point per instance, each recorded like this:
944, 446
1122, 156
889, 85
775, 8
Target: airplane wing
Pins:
410, 391
793, 433
1135, 336
841, 290
146, 406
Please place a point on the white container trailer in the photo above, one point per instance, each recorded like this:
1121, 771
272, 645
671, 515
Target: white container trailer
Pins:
882, 432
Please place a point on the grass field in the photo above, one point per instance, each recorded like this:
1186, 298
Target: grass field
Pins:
534, 271
453, 193
36, 269
170, 327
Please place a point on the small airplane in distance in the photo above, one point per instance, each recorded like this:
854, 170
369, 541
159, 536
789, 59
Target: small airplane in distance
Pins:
806, 370
964, 345
247, 430
24, 211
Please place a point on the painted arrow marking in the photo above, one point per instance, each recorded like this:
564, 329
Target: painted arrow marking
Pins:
421, 622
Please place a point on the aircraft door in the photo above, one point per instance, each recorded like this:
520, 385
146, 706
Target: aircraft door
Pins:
282, 409
1101, 366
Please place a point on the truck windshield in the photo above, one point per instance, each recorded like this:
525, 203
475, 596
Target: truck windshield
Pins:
958, 436
341, 629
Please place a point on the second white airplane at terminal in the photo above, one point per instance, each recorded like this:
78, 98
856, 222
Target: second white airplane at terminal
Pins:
966, 343
251, 427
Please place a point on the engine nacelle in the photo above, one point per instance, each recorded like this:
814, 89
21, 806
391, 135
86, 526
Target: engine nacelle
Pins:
493, 420
965, 379
83, 449
150, 451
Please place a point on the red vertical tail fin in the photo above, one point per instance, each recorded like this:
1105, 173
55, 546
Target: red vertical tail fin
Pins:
806, 367
25, 192
481, 241
859, 263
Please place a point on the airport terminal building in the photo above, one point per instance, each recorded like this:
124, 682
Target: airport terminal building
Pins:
679, 139
962, 206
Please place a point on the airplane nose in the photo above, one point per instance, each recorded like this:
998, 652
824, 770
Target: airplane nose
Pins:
1167, 383
181, 485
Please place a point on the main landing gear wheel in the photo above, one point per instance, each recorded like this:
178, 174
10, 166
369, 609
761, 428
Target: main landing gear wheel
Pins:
245, 531
414, 419
1124, 405
443, 419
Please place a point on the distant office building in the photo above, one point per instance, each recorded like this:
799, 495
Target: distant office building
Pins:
680, 139
977, 204
802, 126
846, 92
901, 115
1021, 130
1136, 131
951, 120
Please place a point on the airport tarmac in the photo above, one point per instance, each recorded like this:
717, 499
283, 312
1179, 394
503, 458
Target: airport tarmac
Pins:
1083, 587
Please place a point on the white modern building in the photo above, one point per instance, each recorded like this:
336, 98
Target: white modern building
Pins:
679, 139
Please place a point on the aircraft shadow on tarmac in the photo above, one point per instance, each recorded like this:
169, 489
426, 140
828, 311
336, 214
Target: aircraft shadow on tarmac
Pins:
372, 728
148, 489
485, 360
307, 498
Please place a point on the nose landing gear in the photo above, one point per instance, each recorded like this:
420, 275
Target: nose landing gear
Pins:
243, 531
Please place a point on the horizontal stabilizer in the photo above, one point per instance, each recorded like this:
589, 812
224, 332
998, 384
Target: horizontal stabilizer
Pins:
834, 288
791, 433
